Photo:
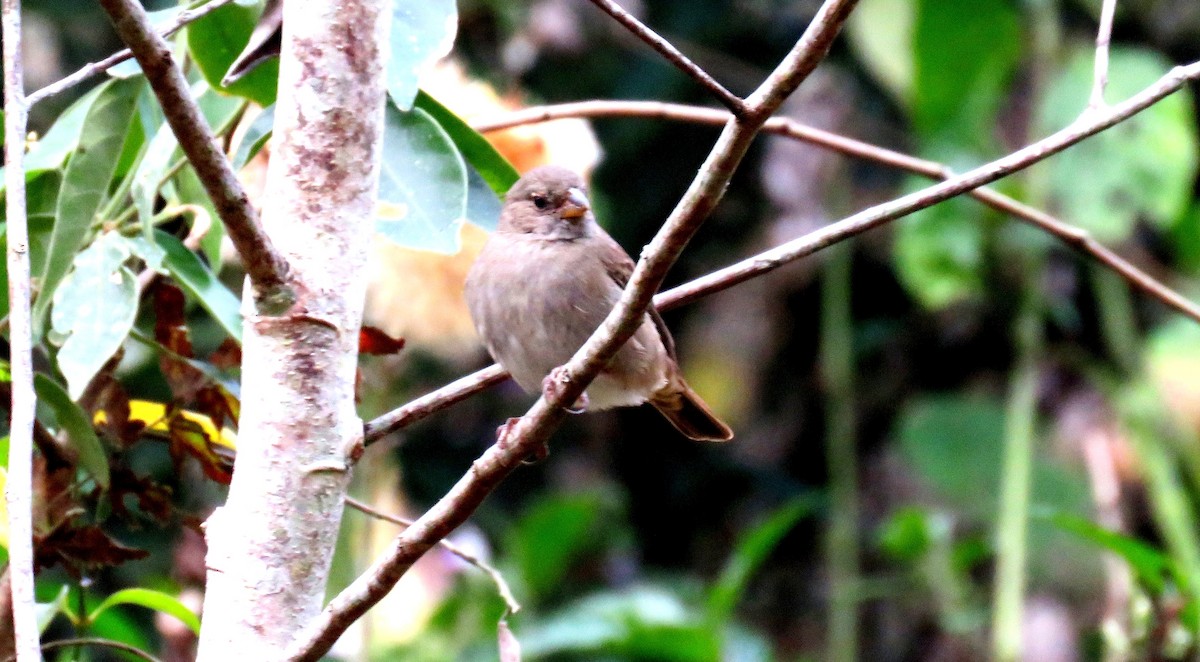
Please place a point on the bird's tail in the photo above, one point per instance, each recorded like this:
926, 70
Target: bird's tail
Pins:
689, 414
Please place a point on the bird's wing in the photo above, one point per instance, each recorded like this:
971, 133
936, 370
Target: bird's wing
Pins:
619, 266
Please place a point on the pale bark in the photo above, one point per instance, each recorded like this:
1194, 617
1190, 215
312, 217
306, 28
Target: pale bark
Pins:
270, 546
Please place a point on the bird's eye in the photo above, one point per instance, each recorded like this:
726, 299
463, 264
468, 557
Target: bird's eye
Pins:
540, 201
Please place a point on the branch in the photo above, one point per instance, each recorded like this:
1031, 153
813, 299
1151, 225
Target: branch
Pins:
530, 433
673, 55
266, 268
1074, 237
100, 643
19, 488
1103, 38
506, 594
93, 68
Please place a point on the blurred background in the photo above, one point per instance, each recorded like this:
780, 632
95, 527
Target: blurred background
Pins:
887, 395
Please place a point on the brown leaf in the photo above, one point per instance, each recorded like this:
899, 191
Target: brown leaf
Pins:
82, 547
372, 340
152, 498
188, 438
227, 356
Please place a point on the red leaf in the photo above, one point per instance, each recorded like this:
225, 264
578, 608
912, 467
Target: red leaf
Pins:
374, 341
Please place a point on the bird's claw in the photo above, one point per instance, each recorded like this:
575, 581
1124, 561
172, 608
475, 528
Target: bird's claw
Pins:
552, 387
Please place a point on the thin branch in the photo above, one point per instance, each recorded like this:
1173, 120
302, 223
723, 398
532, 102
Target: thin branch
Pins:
1076, 238
506, 594
452, 393
266, 267
19, 488
734, 103
530, 432
1103, 39
99, 643
93, 68
1088, 125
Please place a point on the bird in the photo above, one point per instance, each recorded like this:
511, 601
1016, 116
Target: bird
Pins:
546, 279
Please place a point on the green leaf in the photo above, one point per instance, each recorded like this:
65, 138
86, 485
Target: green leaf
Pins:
85, 183
881, 33
195, 278
60, 141
422, 32
1143, 168
1149, 564
939, 253
499, 174
74, 420
255, 136
190, 191
156, 600
964, 55
422, 183
553, 534
215, 41
640, 623
749, 554
94, 310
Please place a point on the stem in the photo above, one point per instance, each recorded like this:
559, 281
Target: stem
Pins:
19, 488
841, 536
1015, 483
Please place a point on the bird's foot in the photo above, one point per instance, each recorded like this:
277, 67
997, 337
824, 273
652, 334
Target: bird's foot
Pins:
552, 387
505, 439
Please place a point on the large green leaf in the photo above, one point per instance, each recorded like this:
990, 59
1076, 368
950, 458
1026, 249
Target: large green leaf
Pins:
422, 32
156, 600
60, 141
1143, 168
74, 420
939, 253
1150, 565
751, 551
94, 310
639, 623
198, 281
881, 32
215, 41
85, 183
422, 183
553, 534
499, 174
964, 55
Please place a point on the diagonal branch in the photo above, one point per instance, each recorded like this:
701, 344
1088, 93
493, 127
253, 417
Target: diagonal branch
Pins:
19, 487
502, 587
93, 68
1074, 237
734, 103
467, 386
266, 267
531, 431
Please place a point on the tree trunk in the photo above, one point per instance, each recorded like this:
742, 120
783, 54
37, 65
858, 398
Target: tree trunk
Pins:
270, 546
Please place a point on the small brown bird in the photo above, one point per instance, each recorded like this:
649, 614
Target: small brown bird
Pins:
547, 278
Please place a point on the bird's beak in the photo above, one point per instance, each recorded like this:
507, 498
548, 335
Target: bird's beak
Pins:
576, 205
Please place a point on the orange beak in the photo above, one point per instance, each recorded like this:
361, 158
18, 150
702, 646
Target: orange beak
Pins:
576, 204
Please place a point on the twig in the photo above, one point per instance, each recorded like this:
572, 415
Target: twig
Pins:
868, 219
502, 587
93, 68
1103, 39
19, 488
98, 642
529, 433
265, 266
734, 103
1074, 237
452, 393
